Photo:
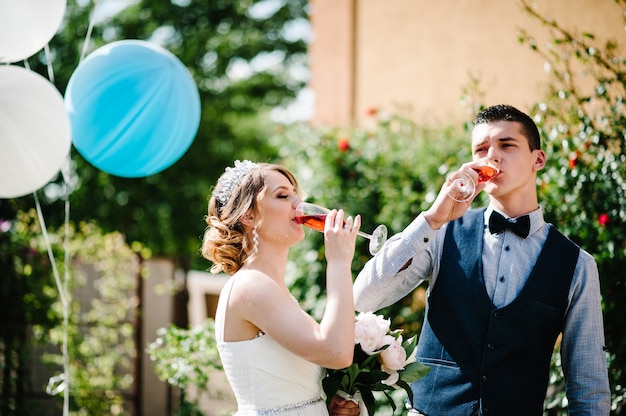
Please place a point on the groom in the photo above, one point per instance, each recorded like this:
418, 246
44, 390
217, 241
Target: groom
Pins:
503, 286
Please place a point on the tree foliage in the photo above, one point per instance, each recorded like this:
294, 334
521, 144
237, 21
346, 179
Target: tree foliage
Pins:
243, 57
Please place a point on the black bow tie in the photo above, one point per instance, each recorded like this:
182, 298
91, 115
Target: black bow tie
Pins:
497, 224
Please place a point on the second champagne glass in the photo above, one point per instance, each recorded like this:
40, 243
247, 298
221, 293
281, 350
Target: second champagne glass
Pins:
314, 216
463, 186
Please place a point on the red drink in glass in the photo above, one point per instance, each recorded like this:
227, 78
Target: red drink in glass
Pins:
312, 221
314, 216
486, 173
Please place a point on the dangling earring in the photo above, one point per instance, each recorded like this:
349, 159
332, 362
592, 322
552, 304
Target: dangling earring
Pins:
255, 240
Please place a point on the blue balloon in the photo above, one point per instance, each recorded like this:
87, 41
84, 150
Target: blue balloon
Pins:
134, 108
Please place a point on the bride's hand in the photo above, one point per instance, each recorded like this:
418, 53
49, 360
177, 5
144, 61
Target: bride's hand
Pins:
340, 236
340, 406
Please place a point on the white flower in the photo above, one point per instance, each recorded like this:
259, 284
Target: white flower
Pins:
370, 330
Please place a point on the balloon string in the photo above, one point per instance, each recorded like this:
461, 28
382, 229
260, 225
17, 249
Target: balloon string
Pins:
62, 288
89, 30
46, 50
65, 174
46, 238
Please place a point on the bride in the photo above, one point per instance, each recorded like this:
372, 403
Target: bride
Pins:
274, 353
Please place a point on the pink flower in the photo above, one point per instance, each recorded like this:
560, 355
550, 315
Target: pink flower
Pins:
393, 359
603, 219
370, 331
392, 379
5, 226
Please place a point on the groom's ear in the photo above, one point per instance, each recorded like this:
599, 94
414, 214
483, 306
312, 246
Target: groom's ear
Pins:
540, 160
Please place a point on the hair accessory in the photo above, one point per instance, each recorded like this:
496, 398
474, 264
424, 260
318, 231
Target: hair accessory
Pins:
231, 178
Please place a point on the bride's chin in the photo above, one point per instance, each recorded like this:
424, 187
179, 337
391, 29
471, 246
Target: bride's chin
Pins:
294, 238
300, 237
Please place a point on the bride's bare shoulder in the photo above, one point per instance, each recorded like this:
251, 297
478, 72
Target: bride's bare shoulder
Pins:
252, 285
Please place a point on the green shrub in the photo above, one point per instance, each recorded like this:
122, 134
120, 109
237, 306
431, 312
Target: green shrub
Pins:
185, 357
27, 294
101, 334
101, 348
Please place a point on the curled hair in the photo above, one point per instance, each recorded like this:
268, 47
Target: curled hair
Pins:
226, 242
503, 112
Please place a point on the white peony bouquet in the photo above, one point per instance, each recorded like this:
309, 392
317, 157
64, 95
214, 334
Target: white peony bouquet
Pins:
382, 361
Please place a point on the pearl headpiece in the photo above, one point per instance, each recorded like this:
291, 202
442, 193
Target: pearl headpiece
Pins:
230, 179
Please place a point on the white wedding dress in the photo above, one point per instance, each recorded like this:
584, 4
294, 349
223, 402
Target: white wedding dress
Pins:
268, 379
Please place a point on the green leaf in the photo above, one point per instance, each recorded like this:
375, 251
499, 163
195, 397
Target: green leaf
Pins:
391, 402
371, 361
414, 372
409, 345
407, 388
369, 400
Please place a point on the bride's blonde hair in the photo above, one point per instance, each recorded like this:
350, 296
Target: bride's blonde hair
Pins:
227, 243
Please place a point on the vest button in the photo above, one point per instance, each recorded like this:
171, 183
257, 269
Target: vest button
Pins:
497, 314
483, 378
490, 346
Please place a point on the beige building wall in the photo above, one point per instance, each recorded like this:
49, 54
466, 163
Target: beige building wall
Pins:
417, 56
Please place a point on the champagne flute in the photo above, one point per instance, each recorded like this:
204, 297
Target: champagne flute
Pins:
463, 186
314, 216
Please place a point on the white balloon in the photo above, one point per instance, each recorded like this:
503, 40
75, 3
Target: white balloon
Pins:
35, 132
26, 26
